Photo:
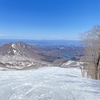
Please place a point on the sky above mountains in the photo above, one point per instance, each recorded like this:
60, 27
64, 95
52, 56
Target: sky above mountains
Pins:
47, 19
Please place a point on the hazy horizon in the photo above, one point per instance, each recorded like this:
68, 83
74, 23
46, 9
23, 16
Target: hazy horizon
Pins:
40, 39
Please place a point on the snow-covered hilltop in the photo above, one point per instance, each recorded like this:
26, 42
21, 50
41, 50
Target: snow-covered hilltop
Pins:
20, 56
48, 83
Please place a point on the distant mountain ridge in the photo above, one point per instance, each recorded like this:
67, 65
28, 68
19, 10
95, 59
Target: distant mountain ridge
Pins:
19, 49
42, 42
21, 55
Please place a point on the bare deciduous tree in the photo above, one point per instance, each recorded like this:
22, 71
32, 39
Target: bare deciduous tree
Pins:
91, 40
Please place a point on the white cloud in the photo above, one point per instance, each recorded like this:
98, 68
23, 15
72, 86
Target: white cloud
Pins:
57, 37
1, 35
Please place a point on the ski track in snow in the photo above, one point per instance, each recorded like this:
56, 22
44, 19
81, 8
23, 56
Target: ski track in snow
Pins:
48, 83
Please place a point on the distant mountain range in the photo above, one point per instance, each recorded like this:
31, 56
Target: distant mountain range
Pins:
19, 55
43, 42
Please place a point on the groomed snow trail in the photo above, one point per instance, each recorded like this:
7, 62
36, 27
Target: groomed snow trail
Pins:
48, 83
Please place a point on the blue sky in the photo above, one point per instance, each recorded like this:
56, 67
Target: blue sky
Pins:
47, 19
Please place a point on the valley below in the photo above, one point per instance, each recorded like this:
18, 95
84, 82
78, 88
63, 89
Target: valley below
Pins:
21, 55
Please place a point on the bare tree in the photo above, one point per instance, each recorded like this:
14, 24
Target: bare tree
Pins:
91, 40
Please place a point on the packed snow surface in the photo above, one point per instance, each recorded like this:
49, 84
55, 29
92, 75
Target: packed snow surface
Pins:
48, 83
71, 63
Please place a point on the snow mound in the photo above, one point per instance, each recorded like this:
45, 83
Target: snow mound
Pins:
48, 83
71, 63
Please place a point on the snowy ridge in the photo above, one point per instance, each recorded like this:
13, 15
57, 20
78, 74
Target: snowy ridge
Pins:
48, 83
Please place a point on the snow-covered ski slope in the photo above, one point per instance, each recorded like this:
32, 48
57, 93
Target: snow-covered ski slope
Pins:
48, 83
